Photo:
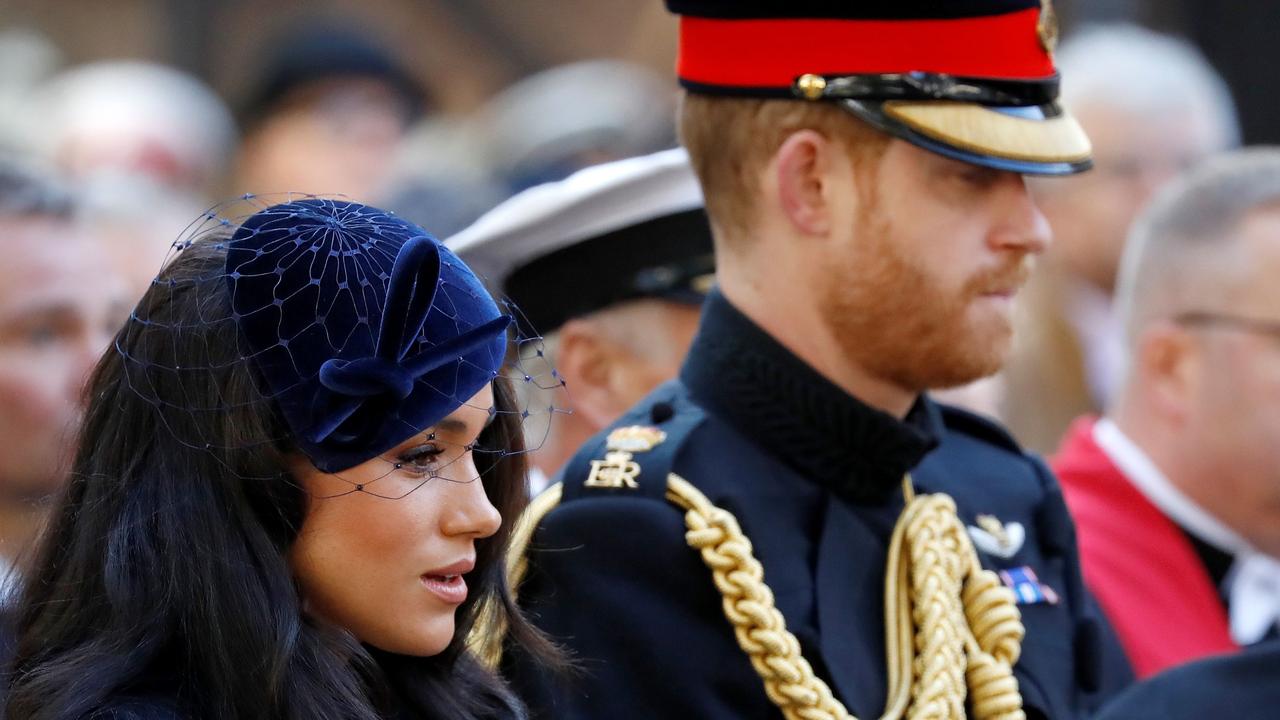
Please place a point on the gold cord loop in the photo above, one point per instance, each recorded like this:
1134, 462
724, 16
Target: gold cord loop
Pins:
952, 630
789, 680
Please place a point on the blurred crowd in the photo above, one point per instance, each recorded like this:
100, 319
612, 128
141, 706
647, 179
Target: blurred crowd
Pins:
1126, 326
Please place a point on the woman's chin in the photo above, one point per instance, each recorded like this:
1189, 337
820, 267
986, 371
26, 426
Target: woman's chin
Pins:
428, 638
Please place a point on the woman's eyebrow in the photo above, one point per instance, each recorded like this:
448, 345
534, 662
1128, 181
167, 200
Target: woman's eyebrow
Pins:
454, 425
451, 425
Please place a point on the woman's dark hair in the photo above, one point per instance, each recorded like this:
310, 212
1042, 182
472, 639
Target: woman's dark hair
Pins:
164, 566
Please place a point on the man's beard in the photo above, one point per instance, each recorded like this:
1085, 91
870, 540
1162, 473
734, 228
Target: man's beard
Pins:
897, 324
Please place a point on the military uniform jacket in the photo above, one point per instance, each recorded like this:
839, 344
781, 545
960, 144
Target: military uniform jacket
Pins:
1243, 685
815, 479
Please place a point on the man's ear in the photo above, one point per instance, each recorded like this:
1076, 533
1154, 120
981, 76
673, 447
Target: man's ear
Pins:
586, 361
1167, 361
803, 171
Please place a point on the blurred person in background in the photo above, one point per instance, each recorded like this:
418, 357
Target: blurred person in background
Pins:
550, 124
539, 130
132, 121
1152, 106
613, 262
145, 143
136, 224
58, 311
1176, 492
27, 59
327, 116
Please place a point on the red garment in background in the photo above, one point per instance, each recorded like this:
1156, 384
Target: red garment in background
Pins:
1144, 571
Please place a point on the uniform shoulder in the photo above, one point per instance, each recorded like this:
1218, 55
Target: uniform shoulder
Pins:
633, 456
969, 423
986, 441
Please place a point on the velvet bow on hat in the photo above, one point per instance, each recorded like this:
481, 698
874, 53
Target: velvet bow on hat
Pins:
364, 330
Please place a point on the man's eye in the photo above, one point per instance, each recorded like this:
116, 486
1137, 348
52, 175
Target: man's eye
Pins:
43, 334
980, 176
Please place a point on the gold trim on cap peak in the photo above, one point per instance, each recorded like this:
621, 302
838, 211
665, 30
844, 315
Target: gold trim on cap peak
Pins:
984, 131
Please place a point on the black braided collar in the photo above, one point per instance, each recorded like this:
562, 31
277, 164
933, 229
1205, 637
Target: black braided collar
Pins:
740, 374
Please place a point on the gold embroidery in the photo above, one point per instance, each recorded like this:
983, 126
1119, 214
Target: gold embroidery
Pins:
1047, 26
616, 470
635, 438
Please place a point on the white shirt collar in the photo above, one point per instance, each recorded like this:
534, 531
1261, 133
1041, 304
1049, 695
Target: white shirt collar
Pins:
1253, 584
1151, 482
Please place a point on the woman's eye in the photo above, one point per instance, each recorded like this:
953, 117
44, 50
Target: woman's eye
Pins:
420, 458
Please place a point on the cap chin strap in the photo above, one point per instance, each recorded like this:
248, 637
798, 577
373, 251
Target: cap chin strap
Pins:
925, 86
952, 630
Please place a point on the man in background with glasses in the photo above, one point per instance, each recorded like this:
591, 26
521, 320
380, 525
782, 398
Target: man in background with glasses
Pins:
1176, 491
1153, 107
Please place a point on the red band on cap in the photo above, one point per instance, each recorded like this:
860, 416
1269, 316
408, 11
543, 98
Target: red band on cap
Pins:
774, 52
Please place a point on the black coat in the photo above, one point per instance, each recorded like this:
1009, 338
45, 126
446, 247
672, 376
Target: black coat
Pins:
814, 477
1244, 685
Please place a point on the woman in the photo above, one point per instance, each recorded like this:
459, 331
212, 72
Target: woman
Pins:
292, 489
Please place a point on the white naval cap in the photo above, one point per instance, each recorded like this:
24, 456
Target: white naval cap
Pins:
613, 232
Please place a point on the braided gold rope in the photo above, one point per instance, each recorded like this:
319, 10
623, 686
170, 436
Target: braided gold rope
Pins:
789, 680
967, 630
952, 630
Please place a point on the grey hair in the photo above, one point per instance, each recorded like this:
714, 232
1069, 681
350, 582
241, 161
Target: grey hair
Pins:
28, 190
1180, 245
1131, 68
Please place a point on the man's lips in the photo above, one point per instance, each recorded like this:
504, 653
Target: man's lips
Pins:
1004, 284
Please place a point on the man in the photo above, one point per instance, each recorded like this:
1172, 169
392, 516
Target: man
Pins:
328, 116
133, 122
1176, 491
542, 128
145, 145
1152, 106
611, 265
58, 311
747, 540
1246, 685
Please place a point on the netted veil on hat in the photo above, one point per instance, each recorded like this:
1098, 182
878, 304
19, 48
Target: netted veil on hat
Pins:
360, 329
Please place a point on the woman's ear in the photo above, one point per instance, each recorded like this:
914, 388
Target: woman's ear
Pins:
803, 171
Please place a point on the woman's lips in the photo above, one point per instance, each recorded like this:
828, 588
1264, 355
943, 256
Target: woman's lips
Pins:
451, 589
447, 582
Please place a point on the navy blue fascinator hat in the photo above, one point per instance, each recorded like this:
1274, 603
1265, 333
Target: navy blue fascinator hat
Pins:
362, 328
335, 330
